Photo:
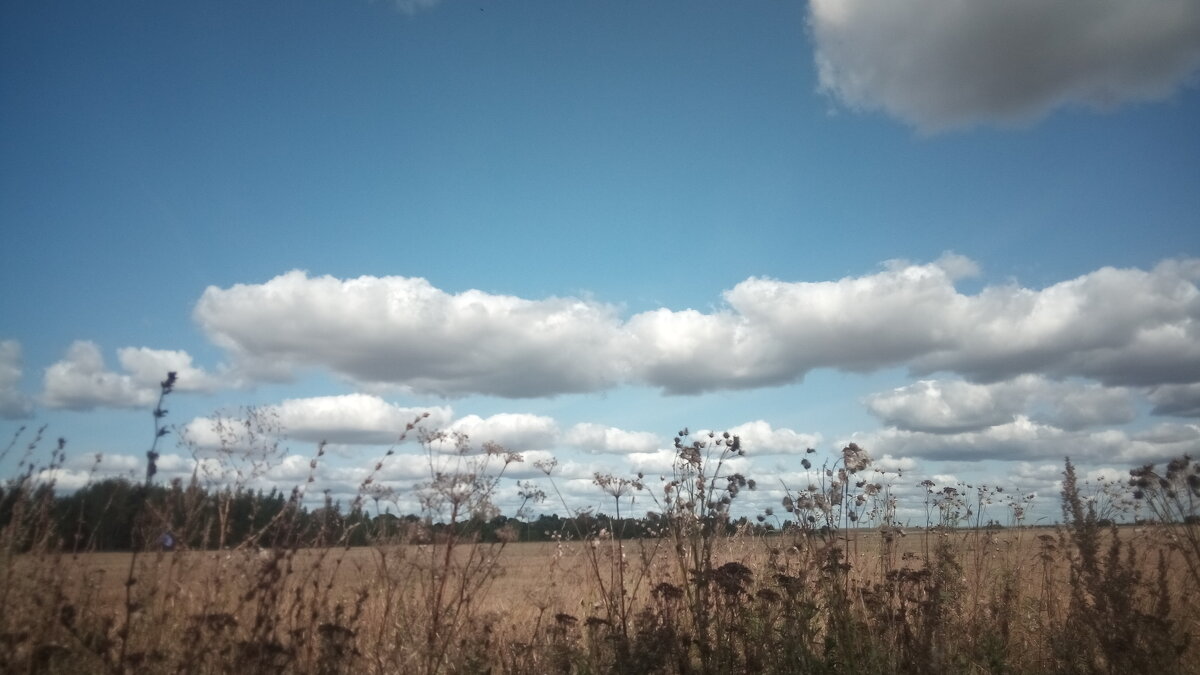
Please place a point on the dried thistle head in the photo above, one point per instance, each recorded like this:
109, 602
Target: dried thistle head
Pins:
854, 458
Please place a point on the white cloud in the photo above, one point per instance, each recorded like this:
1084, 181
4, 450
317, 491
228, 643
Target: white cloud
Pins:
945, 407
1118, 326
941, 406
149, 367
774, 332
1025, 439
597, 438
13, 403
657, 463
662, 463
516, 432
758, 438
82, 381
940, 64
341, 421
1121, 327
355, 419
891, 464
396, 330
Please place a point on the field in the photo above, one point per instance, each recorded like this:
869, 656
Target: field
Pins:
264, 584
1000, 600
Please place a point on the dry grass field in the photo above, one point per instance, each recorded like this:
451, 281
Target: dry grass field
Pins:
551, 606
556, 575
263, 584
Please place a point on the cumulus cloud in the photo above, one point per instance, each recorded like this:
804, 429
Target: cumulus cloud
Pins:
944, 407
597, 438
516, 432
758, 438
13, 403
1028, 440
82, 381
355, 419
941, 64
662, 463
953, 406
890, 464
1120, 327
396, 330
773, 332
341, 421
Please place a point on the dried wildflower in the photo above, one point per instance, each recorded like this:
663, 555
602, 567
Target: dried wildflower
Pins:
732, 578
854, 458
667, 591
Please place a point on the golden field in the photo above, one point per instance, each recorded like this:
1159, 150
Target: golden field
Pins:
516, 607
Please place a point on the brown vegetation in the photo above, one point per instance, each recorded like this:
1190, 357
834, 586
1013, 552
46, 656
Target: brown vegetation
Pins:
431, 595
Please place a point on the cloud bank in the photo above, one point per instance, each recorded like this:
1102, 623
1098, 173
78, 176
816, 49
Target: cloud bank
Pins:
942, 64
403, 331
1025, 439
1117, 327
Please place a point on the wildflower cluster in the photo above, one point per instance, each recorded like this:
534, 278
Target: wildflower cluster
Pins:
836, 496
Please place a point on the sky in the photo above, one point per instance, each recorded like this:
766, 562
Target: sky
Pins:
961, 235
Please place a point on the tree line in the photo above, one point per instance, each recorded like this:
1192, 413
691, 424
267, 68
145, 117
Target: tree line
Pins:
115, 514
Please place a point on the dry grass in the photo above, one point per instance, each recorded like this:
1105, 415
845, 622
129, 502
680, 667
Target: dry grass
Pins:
189, 596
431, 595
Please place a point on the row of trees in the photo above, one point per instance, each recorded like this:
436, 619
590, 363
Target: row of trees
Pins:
118, 515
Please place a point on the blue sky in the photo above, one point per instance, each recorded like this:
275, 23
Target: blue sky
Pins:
962, 235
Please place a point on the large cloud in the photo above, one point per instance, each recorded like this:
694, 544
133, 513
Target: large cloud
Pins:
13, 404
82, 381
953, 406
774, 332
1124, 327
939, 64
1118, 326
404, 331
